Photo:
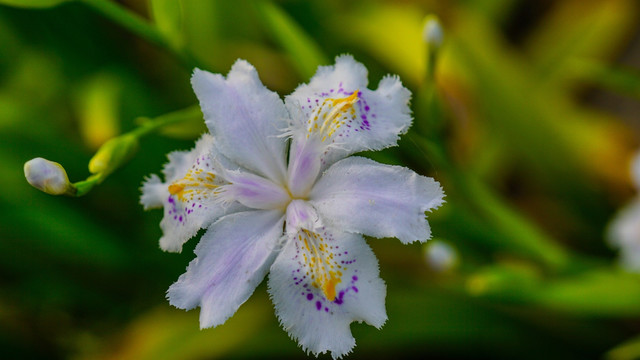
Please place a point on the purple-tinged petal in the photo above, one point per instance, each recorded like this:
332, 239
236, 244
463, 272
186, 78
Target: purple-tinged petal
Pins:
253, 191
337, 108
188, 195
322, 282
360, 195
245, 117
233, 257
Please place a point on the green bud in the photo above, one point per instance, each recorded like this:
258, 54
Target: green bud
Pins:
113, 154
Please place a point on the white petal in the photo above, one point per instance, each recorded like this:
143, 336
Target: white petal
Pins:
154, 192
253, 191
245, 117
337, 108
320, 284
360, 195
305, 160
624, 233
188, 195
233, 257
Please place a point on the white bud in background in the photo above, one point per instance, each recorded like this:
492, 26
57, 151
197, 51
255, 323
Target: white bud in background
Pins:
432, 32
47, 176
440, 256
635, 170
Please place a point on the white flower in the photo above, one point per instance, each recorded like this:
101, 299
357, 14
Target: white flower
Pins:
624, 229
277, 192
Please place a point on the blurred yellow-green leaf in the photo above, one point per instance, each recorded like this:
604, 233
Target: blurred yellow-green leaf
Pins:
34, 3
167, 15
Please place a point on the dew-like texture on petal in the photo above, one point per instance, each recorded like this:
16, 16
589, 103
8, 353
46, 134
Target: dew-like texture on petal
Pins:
188, 194
321, 283
360, 195
245, 117
624, 234
337, 108
233, 257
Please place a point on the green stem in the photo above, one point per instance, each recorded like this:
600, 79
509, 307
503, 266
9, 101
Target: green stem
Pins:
150, 125
115, 152
140, 27
84, 186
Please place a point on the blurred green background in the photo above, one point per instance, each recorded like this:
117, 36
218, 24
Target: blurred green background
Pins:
528, 118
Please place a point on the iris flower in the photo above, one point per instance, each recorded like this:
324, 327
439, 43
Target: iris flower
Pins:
278, 192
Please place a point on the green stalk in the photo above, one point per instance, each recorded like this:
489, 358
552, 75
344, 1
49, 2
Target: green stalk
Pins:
117, 151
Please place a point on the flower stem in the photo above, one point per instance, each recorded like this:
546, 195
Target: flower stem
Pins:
117, 151
150, 125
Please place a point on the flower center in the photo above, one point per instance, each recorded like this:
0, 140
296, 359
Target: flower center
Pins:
309, 147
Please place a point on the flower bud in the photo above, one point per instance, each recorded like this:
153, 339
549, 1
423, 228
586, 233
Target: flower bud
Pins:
635, 170
47, 176
432, 32
440, 256
112, 154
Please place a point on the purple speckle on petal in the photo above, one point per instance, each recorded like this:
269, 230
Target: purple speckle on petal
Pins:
354, 288
310, 297
180, 218
318, 305
354, 278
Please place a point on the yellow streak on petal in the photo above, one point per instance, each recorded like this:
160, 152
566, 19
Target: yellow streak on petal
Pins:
329, 287
334, 115
179, 187
175, 188
320, 262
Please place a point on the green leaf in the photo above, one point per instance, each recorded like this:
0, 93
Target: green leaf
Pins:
167, 15
571, 29
39, 4
596, 293
305, 54
629, 350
